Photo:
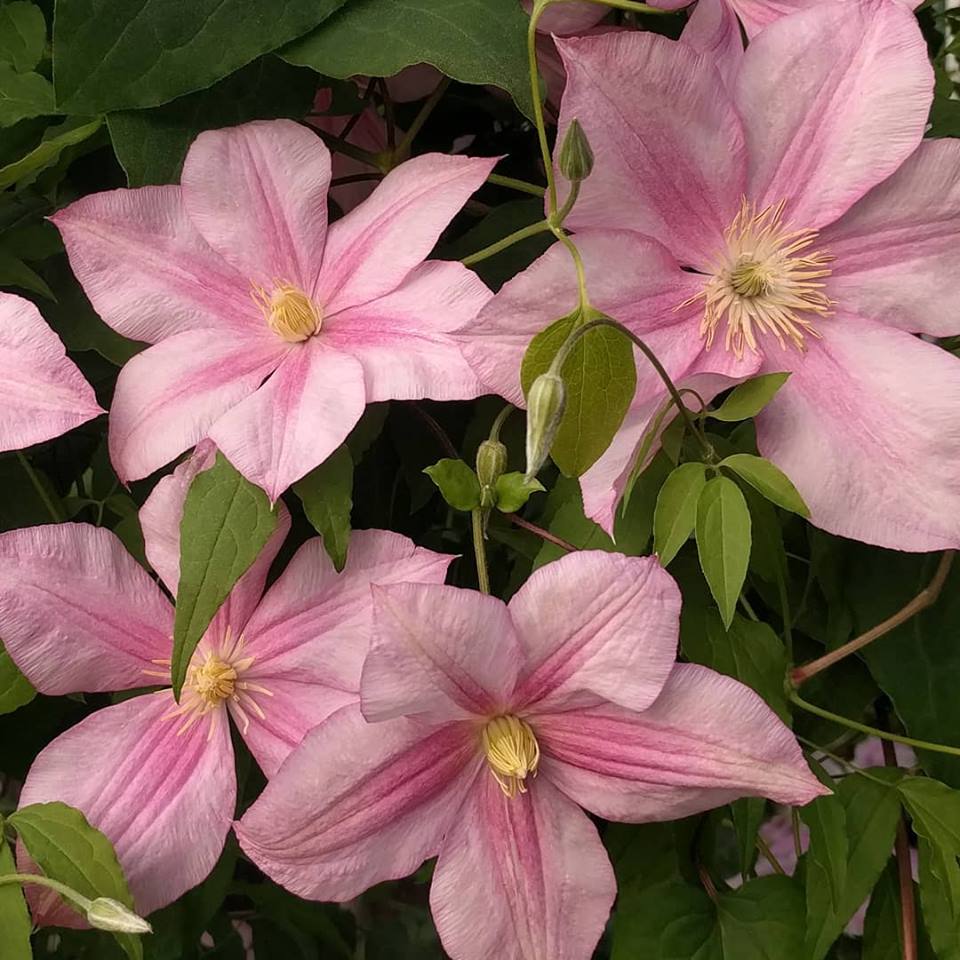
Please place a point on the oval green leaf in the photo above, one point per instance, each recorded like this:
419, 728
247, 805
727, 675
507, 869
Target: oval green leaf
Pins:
748, 399
327, 496
15, 923
767, 479
457, 483
513, 491
676, 512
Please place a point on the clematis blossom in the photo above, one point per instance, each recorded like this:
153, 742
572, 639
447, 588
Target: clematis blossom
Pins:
484, 727
270, 331
796, 223
78, 614
42, 393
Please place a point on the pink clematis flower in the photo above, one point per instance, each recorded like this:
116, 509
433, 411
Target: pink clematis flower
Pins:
42, 393
482, 729
270, 330
78, 614
752, 232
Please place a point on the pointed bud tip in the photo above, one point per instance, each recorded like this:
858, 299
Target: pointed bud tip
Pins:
104, 913
546, 402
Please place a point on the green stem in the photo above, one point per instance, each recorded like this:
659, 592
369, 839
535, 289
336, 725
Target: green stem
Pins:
564, 211
870, 731
339, 145
530, 231
483, 577
514, 184
500, 421
72, 895
403, 148
764, 848
55, 512
538, 8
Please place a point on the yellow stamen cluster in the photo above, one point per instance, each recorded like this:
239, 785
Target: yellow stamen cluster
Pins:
764, 282
289, 312
214, 679
512, 752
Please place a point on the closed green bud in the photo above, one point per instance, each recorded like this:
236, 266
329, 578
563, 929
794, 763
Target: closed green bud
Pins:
546, 401
105, 913
491, 462
576, 157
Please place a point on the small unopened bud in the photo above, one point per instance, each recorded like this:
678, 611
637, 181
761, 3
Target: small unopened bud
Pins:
576, 157
491, 462
105, 913
546, 401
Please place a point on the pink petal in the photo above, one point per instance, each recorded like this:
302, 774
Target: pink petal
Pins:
42, 393
164, 799
403, 340
706, 740
169, 396
359, 803
295, 420
77, 613
670, 163
258, 195
147, 271
757, 14
571, 16
438, 652
310, 634
525, 878
866, 428
834, 99
372, 249
894, 247
597, 622
713, 30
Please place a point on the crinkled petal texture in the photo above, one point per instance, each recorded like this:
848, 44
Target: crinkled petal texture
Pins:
704, 742
525, 878
357, 803
164, 799
833, 100
311, 632
866, 428
77, 612
42, 393
894, 247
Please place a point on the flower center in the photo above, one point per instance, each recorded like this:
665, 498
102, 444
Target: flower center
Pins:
765, 281
215, 678
289, 312
512, 752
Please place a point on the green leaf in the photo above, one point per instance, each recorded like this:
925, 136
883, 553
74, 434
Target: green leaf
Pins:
15, 273
475, 41
55, 140
66, 848
151, 144
15, 689
763, 920
226, 522
676, 512
23, 34
828, 852
747, 814
882, 933
723, 542
939, 876
935, 810
767, 479
22, 95
457, 483
115, 54
513, 491
15, 922
327, 496
600, 377
749, 398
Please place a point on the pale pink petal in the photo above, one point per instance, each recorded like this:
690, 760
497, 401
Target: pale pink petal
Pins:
77, 613
713, 30
372, 249
311, 632
403, 340
866, 428
164, 799
705, 741
834, 99
147, 271
295, 420
438, 652
895, 246
169, 396
757, 14
258, 195
42, 393
568, 17
670, 163
525, 878
358, 803
598, 622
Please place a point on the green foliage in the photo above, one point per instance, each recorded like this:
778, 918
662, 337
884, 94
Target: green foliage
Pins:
23, 33
456, 482
513, 490
769, 480
749, 398
327, 496
56, 139
676, 513
14, 919
22, 95
226, 522
15, 689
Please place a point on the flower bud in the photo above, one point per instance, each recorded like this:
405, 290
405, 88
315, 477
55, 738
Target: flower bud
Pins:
491, 462
105, 913
546, 401
576, 157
